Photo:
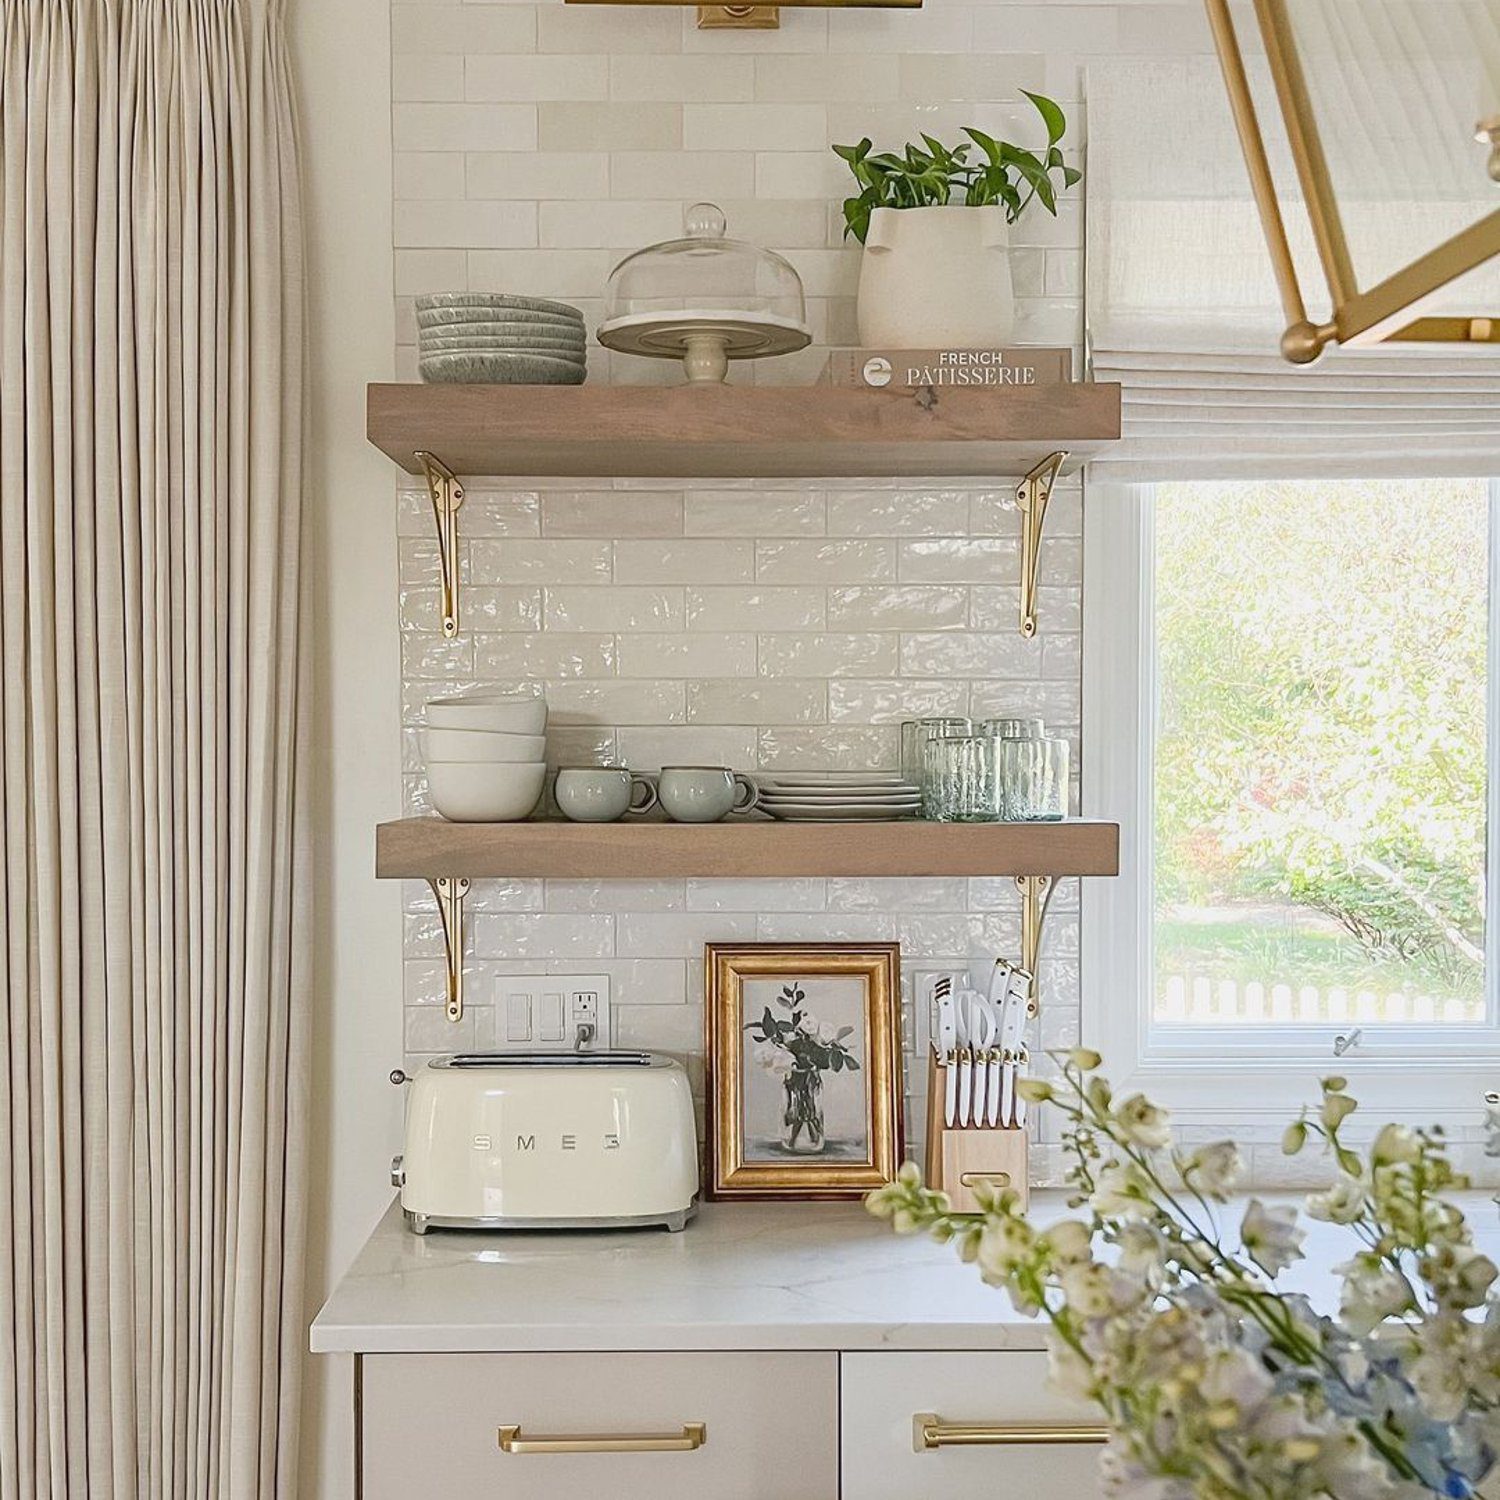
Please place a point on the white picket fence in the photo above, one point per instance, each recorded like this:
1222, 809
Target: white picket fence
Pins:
1196, 1000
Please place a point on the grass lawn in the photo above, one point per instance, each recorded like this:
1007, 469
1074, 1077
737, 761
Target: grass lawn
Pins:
1257, 950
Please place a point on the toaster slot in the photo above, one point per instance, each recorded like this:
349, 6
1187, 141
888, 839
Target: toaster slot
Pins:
544, 1060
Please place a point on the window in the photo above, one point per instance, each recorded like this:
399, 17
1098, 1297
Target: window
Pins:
1288, 706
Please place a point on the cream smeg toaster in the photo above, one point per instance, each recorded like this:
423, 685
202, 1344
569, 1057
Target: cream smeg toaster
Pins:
548, 1140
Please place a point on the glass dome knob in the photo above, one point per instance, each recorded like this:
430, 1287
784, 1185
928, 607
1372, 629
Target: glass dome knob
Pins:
705, 221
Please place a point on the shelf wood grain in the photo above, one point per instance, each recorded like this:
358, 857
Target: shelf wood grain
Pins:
740, 431
423, 848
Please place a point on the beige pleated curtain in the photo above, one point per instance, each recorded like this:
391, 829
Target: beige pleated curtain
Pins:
152, 942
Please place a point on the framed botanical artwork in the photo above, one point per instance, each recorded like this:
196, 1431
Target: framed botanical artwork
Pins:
804, 1068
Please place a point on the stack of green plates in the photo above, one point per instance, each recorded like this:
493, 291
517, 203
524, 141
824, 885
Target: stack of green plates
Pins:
493, 338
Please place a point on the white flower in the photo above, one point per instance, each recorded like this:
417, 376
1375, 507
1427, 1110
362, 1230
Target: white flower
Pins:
1343, 1203
1396, 1143
827, 1033
1143, 1251
1120, 1192
774, 1058
1068, 1372
1005, 1244
1237, 1380
1214, 1168
1372, 1293
1089, 1288
1144, 1123
1271, 1236
807, 1024
1069, 1241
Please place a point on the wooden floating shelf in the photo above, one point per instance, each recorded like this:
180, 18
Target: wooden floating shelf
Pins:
748, 432
426, 848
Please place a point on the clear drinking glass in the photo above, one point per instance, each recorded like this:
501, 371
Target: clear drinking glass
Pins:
1012, 729
959, 782
914, 736
1031, 778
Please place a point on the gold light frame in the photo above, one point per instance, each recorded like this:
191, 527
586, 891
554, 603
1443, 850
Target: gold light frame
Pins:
1388, 312
758, 17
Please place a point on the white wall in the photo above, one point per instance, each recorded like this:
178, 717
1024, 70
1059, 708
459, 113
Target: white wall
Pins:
342, 61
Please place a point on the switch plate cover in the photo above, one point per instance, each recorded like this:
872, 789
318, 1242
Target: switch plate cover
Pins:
543, 1012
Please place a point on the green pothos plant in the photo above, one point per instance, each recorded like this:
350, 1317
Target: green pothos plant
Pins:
933, 175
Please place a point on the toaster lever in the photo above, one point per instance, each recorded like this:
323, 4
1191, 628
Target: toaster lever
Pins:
398, 1171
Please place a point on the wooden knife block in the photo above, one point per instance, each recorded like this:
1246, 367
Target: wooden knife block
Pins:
958, 1156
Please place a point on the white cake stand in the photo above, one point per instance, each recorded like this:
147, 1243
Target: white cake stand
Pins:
705, 340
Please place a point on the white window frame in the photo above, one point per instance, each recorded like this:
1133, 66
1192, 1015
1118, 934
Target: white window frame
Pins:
1432, 1074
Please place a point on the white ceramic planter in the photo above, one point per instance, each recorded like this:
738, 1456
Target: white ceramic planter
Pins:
935, 278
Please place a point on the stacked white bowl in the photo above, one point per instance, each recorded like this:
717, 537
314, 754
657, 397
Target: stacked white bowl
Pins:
486, 756
497, 339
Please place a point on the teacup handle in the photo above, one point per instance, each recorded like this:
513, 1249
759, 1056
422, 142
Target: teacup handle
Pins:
642, 794
751, 798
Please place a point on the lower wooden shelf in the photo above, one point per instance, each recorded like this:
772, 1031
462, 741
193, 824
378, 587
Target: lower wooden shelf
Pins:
427, 848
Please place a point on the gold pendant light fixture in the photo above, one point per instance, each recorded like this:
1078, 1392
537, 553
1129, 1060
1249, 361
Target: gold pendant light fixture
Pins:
737, 17
1390, 310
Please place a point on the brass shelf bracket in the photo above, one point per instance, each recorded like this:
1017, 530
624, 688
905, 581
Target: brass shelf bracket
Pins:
1036, 893
450, 891
1032, 495
446, 495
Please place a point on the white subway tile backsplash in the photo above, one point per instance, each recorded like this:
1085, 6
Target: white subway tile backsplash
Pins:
525, 561
719, 608
619, 608
760, 127
846, 561
898, 607
687, 654
760, 700
679, 78
514, 80
683, 175
464, 127
753, 513
617, 126
544, 175
614, 702
545, 656
684, 562
780, 624
836, 654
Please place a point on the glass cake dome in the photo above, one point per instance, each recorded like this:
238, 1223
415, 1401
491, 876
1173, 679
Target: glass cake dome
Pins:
705, 300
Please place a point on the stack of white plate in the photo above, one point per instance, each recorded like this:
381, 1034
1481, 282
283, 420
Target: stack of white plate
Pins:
837, 796
486, 756
493, 338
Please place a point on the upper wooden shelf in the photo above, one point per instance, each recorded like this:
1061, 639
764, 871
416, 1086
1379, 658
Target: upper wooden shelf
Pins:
740, 431
425, 848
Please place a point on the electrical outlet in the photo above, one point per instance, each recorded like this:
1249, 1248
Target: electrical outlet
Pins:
552, 1012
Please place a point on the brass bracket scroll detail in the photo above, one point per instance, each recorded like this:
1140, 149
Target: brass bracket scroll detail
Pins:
450, 891
1032, 495
447, 495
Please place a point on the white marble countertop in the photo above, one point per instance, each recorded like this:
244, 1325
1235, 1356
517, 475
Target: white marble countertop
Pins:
741, 1276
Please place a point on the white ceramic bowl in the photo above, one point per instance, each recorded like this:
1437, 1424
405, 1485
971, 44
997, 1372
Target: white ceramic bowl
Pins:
482, 745
503, 713
485, 791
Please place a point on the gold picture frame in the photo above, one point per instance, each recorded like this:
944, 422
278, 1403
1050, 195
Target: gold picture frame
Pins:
811, 1108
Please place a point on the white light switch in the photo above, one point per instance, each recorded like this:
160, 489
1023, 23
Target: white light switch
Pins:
550, 1018
518, 1017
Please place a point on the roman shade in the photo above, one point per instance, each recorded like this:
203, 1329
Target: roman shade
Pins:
1182, 306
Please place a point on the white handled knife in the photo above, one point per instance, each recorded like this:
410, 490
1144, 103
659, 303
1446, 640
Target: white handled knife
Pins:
1012, 1035
948, 1051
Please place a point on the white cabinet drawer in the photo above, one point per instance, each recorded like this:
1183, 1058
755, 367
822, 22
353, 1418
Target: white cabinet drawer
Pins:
432, 1426
1016, 1449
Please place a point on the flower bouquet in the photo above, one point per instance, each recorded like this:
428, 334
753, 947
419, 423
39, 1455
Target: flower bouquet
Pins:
1215, 1384
799, 1049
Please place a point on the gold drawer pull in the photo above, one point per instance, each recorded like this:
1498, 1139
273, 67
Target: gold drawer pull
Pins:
929, 1431
693, 1435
